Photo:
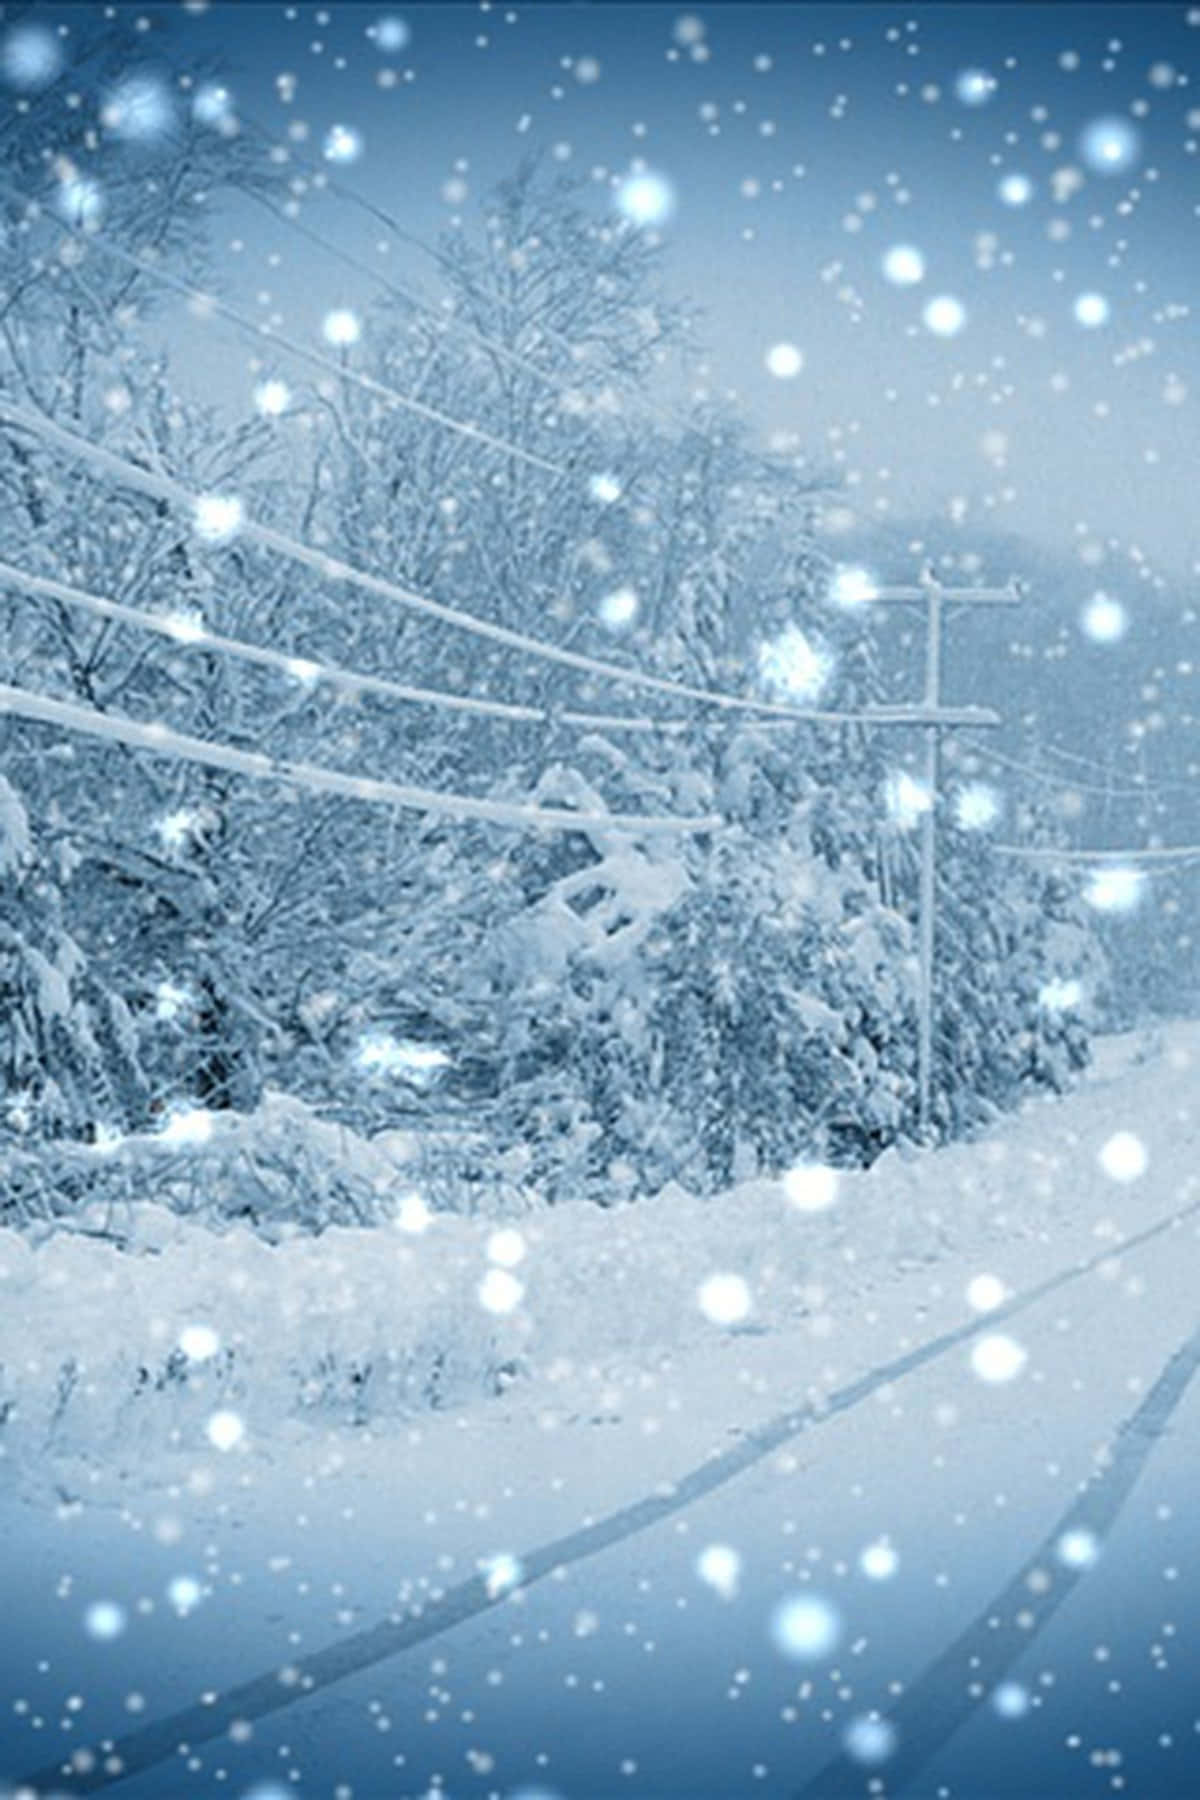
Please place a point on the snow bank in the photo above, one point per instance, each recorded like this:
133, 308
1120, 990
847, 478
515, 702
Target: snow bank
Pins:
279, 1168
357, 1325
433, 1310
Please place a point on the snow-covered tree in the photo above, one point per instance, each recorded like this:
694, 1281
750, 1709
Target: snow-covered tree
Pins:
611, 1012
69, 1060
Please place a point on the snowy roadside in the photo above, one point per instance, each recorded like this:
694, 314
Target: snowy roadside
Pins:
311, 1526
110, 1358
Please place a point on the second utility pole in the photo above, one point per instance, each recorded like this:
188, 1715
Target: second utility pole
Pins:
934, 596
928, 899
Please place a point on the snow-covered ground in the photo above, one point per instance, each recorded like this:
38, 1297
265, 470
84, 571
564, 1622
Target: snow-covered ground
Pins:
115, 1348
393, 1427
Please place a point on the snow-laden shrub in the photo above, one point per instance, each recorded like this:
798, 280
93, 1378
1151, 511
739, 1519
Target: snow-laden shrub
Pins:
68, 1049
776, 996
279, 1169
1020, 977
709, 1017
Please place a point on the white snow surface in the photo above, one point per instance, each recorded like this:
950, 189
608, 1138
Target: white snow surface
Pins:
361, 1325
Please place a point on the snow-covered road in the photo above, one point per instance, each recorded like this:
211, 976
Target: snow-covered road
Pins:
884, 1501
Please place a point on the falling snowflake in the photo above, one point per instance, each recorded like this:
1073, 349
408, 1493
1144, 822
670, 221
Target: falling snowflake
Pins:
1104, 619
391, 35
1091, 310
975, 87
30, 57
413, 1214
500, 1293
213, 105
853, 586
976, 806
1115, 889
1110, 145
1010, 1700
199, 1343
184, 1593
343, 144
998, 1359
1123, 1157
1015, 189
724, 1299
985, 1293
945, 316
906, 800
619, 608
501, 1573
810, 1187
81, 202
218, 517
869, 1740
805, 1628
104, 1620
225, 1430
719, 1567
186, 627
903, 265
272, 398
506, 1248
341, 328
646, 199
1078, 1548
792, 667
139, 110
784, 361
879, 1561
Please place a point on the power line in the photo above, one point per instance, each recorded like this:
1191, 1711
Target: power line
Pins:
331, 568
326, 183
161, 740
1161, 853
329, 183
1064, 783
188, 632
444, 321
1156, 787
382, 390
264, 333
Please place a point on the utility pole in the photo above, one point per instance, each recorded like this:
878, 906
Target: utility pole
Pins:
927, 905
933, 596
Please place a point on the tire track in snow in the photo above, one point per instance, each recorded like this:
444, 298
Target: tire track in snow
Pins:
940, 1701
271, 1692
